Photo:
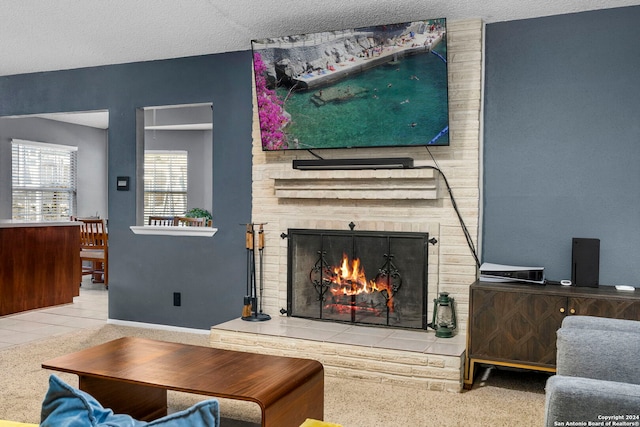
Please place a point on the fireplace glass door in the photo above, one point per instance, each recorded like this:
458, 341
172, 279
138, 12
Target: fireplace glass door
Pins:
360, 277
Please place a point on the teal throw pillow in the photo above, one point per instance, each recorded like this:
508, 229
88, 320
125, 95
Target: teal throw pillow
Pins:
67, 406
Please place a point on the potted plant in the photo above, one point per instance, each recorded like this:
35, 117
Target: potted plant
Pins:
199, 213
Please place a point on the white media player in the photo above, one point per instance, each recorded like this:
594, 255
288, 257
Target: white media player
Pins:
511, 273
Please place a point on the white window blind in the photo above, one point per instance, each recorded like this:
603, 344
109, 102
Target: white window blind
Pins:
43, 181
165, 183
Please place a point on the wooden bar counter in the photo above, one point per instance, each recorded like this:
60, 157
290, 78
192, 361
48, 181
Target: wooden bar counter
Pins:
39, 264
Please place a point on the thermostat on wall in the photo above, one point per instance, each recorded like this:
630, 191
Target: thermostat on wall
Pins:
122, 183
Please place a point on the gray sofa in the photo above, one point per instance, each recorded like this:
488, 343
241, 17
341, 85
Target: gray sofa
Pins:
598, 373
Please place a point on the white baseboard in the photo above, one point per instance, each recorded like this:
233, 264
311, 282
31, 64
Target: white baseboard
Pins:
156, 326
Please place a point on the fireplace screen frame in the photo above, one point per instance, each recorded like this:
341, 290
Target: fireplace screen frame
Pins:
421, 245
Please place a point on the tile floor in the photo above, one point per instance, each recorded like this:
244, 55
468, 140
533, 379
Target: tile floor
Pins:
88, 310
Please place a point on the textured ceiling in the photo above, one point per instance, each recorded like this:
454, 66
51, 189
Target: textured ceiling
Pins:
38, 35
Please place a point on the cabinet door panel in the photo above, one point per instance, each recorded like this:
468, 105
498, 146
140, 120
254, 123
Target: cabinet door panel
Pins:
514, 326
600, 307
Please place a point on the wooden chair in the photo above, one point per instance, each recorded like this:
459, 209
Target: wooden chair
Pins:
161, 220
184, 221
94, 247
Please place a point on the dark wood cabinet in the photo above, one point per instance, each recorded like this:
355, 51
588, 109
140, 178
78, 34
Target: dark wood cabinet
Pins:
515, 325
39, 265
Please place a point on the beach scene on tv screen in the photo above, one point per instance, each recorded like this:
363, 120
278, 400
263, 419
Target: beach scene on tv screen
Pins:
376, 86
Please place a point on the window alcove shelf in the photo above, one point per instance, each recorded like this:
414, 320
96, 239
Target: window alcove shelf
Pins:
162, 230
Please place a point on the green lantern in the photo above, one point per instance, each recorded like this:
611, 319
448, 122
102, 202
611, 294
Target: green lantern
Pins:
444, 316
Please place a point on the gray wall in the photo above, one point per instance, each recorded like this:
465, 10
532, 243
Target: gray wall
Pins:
146, 270
562, 142
92, 159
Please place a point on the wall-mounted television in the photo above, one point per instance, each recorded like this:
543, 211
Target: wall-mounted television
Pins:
378, 86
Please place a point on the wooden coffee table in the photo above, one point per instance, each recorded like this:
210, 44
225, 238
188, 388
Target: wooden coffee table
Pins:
132, 375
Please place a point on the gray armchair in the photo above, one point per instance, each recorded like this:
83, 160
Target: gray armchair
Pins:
598, 372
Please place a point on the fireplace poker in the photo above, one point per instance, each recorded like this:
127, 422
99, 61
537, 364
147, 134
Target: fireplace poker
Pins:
254, 292
261, 254
246, 309
250, 308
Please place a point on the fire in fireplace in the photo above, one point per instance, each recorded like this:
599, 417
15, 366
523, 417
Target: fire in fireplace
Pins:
363, 277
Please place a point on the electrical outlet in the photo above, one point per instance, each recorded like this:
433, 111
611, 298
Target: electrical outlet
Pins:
177, 299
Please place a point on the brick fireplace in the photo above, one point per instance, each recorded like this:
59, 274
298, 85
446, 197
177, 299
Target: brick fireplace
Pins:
376, 201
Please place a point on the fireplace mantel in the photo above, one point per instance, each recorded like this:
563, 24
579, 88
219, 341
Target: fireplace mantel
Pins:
379, 184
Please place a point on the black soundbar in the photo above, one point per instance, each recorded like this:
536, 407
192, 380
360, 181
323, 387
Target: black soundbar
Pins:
374, 163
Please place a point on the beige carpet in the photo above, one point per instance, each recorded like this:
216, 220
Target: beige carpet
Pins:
505, 398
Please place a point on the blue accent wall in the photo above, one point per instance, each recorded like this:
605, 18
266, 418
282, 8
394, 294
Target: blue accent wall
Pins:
145, 271
562, 142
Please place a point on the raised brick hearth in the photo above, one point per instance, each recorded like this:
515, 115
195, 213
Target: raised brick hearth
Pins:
409, 358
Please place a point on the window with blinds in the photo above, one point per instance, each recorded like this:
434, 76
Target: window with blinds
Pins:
43, 181
165, 183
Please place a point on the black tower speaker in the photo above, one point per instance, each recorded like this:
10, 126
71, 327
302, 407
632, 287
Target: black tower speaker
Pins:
585, 262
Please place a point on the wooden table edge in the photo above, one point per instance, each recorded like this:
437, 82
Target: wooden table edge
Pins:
312, 373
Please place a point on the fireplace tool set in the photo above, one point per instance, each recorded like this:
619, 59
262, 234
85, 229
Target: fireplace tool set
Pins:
252, 310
